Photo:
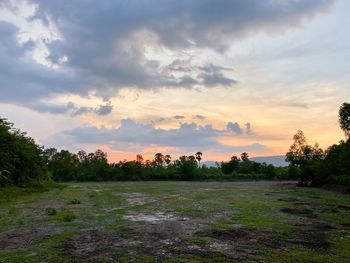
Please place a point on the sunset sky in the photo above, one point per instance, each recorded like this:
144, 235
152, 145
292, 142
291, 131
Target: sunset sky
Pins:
177, 77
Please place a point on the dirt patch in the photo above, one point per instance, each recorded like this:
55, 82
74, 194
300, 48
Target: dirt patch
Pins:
167, 238
159, 240
90, 245
346, 225
288, 199
294, 201
302, 203
299, 211
314, 236
344, 207
238, 242
241, 242
337, 188
26, 237
153, 218
239, 233
140, 198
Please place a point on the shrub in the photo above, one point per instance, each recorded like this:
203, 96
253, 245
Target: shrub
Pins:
51, 211
68, 217
75, 201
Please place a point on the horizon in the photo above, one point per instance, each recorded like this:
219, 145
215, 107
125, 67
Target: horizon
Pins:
221, 77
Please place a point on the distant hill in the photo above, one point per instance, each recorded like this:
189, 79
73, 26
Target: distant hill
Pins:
278, 160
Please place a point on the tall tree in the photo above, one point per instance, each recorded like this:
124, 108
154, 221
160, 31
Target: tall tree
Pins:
244, 157
344, 118
198, 156
139, 158
158, 159
167, 159
304, 157
22, 161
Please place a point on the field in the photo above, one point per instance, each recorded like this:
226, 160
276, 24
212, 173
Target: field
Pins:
175, 222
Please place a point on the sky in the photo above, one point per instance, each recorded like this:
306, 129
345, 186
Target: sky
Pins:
146, 76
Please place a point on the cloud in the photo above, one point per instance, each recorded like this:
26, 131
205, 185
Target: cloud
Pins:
101, 110
179, 117
248, 128
199, 117
136, 136
87, 48
51, 107
234, 127
216, 79
70, 107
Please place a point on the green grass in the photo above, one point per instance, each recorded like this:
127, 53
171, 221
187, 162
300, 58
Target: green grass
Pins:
73, 210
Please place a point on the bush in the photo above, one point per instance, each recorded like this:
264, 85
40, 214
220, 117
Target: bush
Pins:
51, 211
68, 217
75, 201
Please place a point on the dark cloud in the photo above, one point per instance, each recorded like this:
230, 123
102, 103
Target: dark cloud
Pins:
70, 107
211, 68
179, 117
248, 128
101, 110
51, 107
199, 117
104, 43
216, 79
130, 134
234, 127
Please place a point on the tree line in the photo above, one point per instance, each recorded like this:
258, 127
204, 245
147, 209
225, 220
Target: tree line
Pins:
66, 166
23, 162
315, 166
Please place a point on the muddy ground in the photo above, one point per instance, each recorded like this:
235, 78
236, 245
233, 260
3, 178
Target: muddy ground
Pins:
177, 222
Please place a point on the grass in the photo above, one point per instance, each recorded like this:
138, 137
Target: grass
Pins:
174, 222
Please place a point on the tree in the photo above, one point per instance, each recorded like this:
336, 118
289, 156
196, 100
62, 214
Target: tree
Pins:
158, 159
63, 166
305, 157
344, 118
244, 157
22, 161
231, 166
186, 167
82, 156
167, 159
198, 156
139, 158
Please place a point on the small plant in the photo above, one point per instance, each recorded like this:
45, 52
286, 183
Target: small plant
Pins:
68, 217
75, 201
51, 211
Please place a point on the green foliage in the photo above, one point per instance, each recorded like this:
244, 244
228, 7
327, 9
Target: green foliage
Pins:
307, 158
68, 217
344, 118
246, 169
337, 163
315, 167
22, 161
50, 211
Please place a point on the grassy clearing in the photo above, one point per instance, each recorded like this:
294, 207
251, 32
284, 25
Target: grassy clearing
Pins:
175, 222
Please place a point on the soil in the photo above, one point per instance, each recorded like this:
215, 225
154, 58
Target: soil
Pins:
27, 236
